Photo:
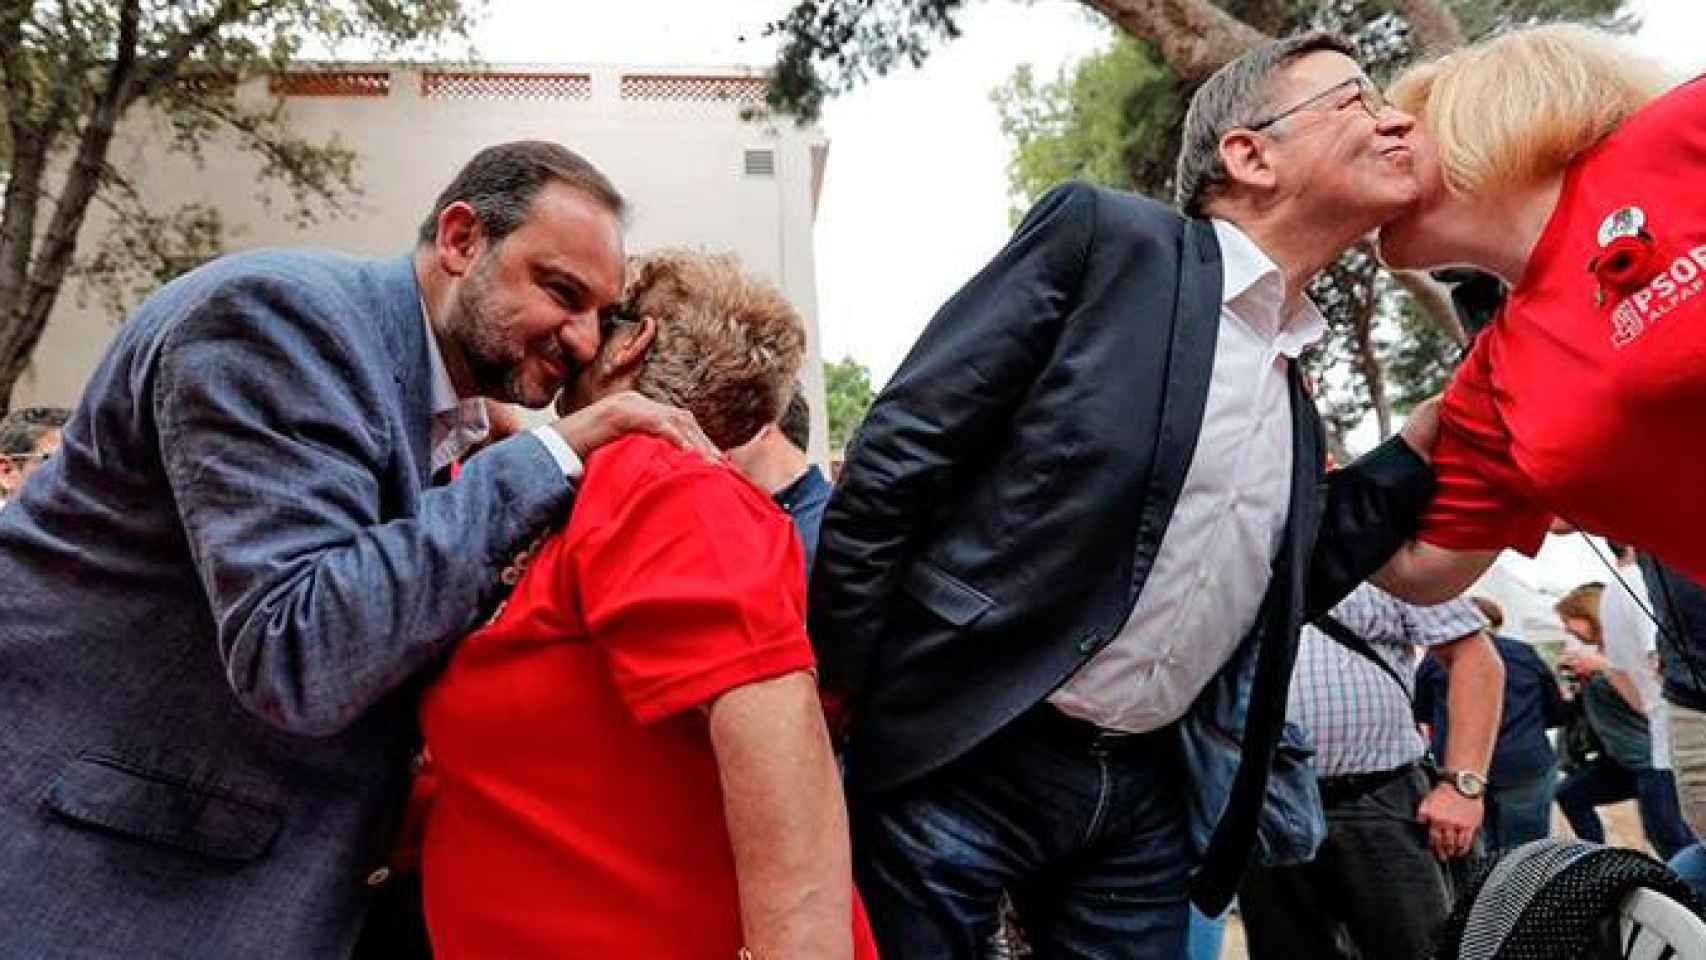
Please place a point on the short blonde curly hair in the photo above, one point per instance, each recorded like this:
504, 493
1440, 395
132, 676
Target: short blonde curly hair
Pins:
1516, 108
728, 345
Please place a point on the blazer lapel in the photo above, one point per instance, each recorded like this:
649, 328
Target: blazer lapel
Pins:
398, 310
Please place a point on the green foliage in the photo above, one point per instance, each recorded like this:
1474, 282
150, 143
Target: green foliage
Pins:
1097, 121
71, 70
847, 389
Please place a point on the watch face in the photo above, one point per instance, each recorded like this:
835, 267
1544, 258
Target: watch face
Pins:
1469, 783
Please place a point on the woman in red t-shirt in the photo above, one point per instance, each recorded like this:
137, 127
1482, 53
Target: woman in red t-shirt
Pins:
631, 758
1556, 160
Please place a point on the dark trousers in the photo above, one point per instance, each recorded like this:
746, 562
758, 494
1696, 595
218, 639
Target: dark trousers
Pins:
1519, 811
1374, 881
1607, 781
1084, 829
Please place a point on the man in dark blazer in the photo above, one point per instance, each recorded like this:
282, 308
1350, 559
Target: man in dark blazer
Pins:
1060, 581
219, 597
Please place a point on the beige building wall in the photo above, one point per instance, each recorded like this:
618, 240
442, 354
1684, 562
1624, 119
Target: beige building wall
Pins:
695, 172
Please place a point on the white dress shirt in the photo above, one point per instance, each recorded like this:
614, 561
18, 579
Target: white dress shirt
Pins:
458, 424
1631, 645
1215, 558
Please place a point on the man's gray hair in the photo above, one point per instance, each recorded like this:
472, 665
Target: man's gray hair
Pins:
1235, 96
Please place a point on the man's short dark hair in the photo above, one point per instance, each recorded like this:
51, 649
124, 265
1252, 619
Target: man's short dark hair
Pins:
24, 427
501, 183
796, 421
1236, 95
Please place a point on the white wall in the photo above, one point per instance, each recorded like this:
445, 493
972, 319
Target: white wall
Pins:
678, 160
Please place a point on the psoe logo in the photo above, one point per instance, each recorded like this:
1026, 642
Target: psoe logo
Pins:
1669, 289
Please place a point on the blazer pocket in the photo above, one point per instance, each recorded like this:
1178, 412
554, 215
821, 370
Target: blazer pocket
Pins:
158, 808
945, 595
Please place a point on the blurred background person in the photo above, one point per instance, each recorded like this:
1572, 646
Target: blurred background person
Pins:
775, 459
1524, 773
1622, 768
1679, 603
29, 437
1393, 820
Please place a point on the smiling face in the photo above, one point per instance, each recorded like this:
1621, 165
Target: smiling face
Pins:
524, 316
1332, 150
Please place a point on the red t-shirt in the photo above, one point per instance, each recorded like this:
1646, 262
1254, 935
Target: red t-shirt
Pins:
1586, 398
578, 810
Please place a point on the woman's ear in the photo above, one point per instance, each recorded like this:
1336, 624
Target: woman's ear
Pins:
635, 340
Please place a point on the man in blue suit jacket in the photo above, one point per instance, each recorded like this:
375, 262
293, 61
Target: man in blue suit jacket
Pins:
219, 599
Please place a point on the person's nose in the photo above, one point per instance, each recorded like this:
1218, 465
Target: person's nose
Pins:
580, 336
1393, 122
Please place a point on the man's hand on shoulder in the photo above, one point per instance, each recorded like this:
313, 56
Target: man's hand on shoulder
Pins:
602, 421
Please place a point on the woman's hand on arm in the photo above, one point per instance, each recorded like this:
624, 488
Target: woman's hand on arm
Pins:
786, 818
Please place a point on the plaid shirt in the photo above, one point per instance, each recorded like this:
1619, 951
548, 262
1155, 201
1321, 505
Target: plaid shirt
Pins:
1359, 718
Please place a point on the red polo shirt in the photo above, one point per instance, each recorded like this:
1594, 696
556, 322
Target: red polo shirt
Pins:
1586, 398
579, 812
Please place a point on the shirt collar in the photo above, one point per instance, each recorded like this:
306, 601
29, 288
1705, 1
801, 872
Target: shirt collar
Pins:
458, 423
1254, 287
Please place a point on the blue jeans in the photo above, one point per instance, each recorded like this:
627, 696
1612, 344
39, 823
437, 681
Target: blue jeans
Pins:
1206, 934
1085, 830
1605, 781
1690, 865
1520, 811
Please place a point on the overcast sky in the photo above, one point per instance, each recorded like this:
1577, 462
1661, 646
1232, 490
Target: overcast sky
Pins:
915, 193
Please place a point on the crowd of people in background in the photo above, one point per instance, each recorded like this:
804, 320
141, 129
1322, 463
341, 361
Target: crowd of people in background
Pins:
308, 648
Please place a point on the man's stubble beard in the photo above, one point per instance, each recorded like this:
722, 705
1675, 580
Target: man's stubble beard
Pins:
495, 362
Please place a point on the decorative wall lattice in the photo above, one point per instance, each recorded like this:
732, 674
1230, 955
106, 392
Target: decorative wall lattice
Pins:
697, 89
506, 86
332, 83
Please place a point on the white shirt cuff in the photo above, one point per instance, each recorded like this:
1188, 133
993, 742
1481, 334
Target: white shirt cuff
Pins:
560, 451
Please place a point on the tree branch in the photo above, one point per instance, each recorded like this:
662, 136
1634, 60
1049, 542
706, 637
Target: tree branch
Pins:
1195, 38
1434, 28
1435, 301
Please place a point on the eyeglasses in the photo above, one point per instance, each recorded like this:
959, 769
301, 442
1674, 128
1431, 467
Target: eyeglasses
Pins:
1367, 95
23, 458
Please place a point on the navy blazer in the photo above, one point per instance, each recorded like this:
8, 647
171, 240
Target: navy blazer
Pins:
214, 601
1001, 507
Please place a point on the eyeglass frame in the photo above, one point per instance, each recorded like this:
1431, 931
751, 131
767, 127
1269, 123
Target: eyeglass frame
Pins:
22, 458
1368, 95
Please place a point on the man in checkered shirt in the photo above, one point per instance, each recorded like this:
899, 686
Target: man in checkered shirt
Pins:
1380, 877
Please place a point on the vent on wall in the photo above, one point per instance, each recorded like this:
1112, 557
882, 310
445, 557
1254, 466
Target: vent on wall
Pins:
761, 163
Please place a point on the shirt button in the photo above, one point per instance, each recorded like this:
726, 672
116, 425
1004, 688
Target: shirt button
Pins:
378, 877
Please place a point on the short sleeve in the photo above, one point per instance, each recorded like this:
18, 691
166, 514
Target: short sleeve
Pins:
692, 586
1479, 501
1443, 623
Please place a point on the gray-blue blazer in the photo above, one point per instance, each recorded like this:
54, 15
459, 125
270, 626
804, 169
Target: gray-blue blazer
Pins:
215, 606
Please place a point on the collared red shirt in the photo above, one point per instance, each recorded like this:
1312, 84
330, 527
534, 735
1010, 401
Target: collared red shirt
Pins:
458, 424
1216, 556
1360, 720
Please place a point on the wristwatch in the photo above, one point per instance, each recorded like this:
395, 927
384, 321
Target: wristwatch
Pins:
1470, 784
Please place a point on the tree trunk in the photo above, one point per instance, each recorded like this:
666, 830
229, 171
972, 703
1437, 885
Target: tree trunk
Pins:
1373, 375
28, 317
1195, 38
1435, 301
